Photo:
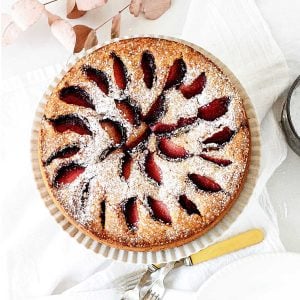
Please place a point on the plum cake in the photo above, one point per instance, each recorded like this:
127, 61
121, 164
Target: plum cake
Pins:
144, 144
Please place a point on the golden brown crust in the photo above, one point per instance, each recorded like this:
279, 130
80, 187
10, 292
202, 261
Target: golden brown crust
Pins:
151, 235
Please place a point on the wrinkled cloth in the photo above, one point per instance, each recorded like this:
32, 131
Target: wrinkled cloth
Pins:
41, 261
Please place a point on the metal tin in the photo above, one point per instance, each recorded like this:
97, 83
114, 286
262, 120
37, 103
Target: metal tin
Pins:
291, 134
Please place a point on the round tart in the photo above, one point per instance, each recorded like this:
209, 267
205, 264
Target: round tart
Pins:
144, 144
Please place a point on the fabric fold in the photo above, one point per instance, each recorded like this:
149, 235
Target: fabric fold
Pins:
42, 262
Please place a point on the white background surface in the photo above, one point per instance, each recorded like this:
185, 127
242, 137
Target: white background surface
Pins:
263, 276
37, 48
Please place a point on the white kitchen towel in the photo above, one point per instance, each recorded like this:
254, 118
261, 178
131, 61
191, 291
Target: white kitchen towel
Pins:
39, 259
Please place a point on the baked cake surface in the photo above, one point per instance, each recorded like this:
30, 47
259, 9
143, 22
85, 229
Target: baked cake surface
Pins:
144, 144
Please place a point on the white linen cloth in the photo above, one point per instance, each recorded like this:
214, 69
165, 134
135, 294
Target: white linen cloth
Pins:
41, 261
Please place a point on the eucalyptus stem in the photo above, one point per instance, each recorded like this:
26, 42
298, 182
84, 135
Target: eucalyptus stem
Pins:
120, 11
49, 2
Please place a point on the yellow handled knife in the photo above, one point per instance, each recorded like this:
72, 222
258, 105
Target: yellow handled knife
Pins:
238, 242
235, 243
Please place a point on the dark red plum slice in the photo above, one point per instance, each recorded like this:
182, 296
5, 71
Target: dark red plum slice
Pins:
219, 161
159, 211
161, 128
102, 213
176, 74
77, 96
67, 174
213, 110
130, 112
152, 169
115, 131
98, 76
66, 152
84, 195
188, 205
221, 137
127, 162
195, 88
120, 71
70, 123
148, 67
171, 150
156, 111
138, 136
130, 211
205, 183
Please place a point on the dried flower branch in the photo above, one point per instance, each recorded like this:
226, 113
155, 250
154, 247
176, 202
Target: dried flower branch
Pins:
152, 9
135, 7
115, 26
62, 31
9, 30
86, 38
72, 10
86, 5
26, 12
74, 38
109, 19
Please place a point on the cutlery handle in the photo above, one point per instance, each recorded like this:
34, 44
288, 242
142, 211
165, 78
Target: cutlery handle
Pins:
240, 241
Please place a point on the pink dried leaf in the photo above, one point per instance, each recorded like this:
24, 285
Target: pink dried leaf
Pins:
86, 38
9, 30
72, 10
86, 5
115, 26
27, 12
64, 33
153, 9
135, 7
52, 18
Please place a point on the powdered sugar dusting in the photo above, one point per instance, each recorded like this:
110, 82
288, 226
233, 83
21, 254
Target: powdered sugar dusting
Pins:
103, 180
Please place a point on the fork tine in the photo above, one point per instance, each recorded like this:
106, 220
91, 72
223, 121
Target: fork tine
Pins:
123, 281
150, 295
132, 281
130, 286
154, 296
147, 295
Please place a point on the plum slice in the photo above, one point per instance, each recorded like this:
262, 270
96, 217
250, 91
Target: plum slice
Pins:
76, 95
159, 210
213, 110
188, 205
138, 136
120, 71
176, 74
70, 123
67, 174
156, 111
219, 161
66, 152
102, 213
127, 162
152, 169
115, 130
130, 211
148, 67
204, 183
84, 195
130, 112
221, 137
98, 76
195, 88
171, 150
162, 128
